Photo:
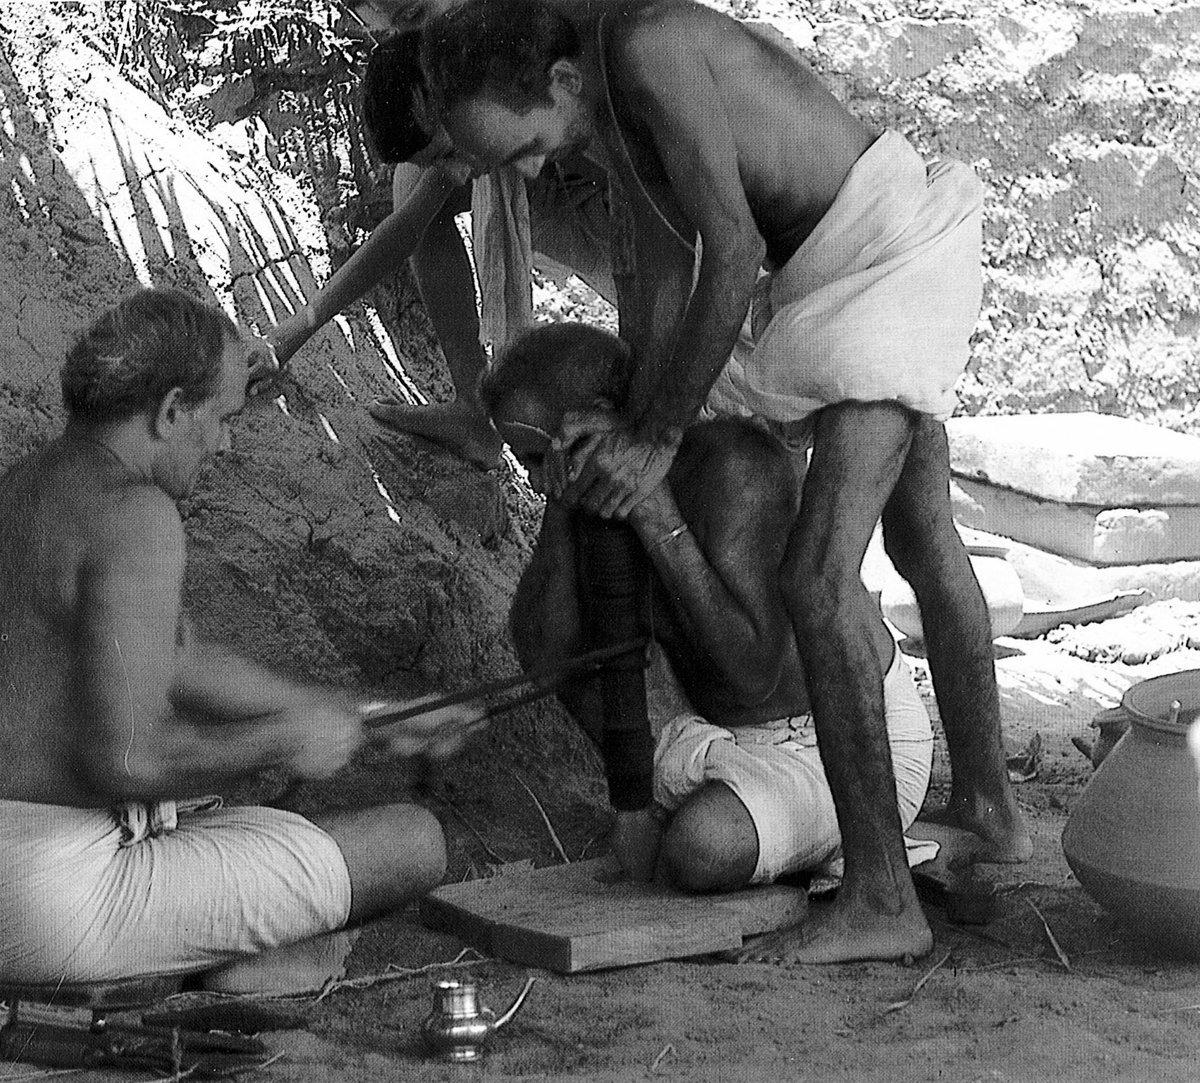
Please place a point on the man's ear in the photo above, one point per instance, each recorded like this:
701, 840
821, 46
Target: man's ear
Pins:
565, 73
168, 414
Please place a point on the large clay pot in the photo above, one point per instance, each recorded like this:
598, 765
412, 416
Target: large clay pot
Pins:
1133, 837
998, 580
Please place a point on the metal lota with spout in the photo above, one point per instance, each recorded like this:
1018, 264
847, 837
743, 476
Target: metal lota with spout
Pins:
458, 1028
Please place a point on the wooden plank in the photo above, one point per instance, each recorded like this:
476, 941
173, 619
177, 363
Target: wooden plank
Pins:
615, 933
586, 916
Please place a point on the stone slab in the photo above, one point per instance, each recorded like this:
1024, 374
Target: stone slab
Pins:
587, 916
1050, 581
1081, 458
1098, 535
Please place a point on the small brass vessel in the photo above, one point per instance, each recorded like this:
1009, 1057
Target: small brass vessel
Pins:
458, 1028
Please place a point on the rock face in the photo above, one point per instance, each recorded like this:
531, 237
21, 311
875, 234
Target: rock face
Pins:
1102, 489
1082, 120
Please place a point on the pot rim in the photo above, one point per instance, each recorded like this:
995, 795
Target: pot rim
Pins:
1148, 702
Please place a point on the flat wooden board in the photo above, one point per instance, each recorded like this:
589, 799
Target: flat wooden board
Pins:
587, 916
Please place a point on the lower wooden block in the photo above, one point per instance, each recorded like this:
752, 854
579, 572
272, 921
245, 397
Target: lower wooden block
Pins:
587, 916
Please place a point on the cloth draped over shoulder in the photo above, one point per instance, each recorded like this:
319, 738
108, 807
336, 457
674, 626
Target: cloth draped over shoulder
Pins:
503, 249
877, 304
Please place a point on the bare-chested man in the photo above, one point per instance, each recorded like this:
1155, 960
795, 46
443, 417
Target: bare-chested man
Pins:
113, 713
861, 328
739, 783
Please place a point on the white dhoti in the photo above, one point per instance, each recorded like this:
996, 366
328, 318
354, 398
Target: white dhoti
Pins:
82, 900
776, 772
877, 304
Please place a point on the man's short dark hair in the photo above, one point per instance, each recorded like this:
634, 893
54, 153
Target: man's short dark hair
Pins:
393, 96
503, 47
127, 361
565, 365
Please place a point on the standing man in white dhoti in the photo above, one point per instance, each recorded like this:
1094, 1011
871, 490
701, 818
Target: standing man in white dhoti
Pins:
712, 132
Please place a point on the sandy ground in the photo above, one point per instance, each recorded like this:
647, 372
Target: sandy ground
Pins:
991, 1002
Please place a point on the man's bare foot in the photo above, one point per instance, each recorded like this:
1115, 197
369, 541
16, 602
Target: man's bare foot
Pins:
463, 430
836, 933
1004, 838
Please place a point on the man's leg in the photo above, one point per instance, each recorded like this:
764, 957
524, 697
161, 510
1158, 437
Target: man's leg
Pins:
394, 853
922, 541
447, 286
711, 843
858, 452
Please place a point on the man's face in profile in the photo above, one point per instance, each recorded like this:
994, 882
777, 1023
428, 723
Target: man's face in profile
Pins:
204, 430
491, 134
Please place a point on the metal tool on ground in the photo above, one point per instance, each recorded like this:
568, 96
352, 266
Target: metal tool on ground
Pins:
47, 1035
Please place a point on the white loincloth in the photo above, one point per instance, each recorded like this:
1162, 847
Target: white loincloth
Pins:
776, 772
877, 304
77, 905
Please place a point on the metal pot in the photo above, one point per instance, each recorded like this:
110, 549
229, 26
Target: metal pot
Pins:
1133, 836
458, 1027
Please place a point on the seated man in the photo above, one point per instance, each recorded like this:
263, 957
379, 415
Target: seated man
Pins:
741, 779
556, 222
115, 718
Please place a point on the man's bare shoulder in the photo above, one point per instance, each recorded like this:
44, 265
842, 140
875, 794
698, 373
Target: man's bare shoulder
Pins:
738, 461
137, 522
656, 33
658, 54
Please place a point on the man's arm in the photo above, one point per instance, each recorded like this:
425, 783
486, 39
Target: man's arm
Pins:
447, 285
131, 744
717, 551
659, 62
679, 349
390, 243
217, 685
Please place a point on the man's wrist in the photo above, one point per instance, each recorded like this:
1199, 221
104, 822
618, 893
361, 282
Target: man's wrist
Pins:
667, 537
664, 433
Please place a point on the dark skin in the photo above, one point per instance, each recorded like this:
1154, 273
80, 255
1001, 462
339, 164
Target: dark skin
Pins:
733, 140
718, 614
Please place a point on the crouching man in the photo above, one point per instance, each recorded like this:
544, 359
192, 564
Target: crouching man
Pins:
740, 781
115, 718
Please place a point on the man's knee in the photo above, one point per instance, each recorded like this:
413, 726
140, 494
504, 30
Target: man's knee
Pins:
919, 534
926, 549
394, 852
711, 843
819, 580
920, 551
422, 847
